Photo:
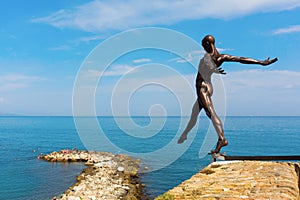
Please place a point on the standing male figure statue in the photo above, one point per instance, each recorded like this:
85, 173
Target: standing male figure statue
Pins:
209, 64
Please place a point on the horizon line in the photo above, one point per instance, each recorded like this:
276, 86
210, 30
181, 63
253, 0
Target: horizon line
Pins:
158, 116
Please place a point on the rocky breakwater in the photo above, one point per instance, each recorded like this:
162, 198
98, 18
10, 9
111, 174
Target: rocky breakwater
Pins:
107, 176
251, 180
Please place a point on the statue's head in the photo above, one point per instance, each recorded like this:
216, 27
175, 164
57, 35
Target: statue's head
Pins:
208, 42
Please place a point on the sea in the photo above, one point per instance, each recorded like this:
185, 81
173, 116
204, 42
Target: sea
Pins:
22, 139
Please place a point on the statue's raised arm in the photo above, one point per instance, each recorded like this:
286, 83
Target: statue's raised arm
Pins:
229, 58
208, 44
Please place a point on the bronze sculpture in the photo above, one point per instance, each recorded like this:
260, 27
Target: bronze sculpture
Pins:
209, 64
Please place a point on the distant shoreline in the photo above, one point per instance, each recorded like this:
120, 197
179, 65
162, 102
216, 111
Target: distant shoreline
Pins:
141, 116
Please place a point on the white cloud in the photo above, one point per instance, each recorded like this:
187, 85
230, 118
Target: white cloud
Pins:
12, 86
247, 92
117, 70
18, 77
119, 15
191, 56
142, 60
258, 92
136, 89
89, 39
60, 48
195, 55
272, 80
16, 81
77, 42
2, 100
287, 30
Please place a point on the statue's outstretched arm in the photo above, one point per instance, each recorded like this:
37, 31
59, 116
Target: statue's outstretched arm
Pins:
228, 58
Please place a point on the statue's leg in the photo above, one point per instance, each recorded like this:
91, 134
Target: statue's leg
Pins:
205, 97
194, 116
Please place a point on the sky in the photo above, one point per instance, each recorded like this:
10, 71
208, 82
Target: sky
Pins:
45, 43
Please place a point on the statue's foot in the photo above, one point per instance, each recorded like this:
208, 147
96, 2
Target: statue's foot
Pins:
182, 139
220, 144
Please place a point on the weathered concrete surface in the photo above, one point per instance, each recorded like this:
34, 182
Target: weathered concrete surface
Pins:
253, 180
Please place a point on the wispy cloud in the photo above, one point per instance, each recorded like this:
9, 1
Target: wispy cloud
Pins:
98, 15
260, 92
237, 83
60, 48
247, 92
196, 55
142, 60
260, 80
74, 43
17, 81
117, 70
287, 30
19, 77
90, 38
191, 56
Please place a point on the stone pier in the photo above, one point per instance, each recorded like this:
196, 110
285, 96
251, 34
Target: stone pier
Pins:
107, 176
252, 180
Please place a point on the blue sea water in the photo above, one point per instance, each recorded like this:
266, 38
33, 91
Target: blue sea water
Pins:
22, 139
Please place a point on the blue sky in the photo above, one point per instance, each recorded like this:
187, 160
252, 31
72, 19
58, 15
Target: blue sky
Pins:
44, 43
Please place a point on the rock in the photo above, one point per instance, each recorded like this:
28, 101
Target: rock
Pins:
92, 197
121, 192
89, 163
120, 169
98, 165
73, 198
134, 173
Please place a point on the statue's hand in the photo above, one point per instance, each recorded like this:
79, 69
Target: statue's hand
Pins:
268, 61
